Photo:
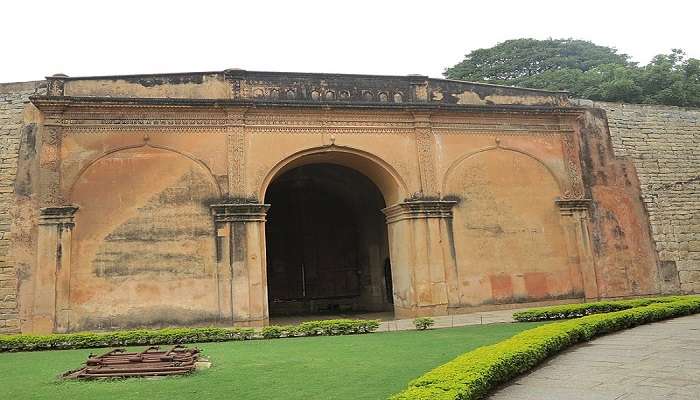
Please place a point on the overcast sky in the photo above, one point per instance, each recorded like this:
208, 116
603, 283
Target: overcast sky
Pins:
84, 38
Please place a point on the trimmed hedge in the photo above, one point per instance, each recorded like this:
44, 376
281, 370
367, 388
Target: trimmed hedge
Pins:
568, 311
472, 375
140, 337
329, 327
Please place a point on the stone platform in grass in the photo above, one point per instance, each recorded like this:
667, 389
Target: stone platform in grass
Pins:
655, 361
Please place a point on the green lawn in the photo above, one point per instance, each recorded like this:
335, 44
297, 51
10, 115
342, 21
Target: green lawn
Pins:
340, 367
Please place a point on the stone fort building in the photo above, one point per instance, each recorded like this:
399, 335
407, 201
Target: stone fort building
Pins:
229, 197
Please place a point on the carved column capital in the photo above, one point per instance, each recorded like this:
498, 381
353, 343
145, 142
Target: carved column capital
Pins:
61, 215
239, 212
573, 206
419, 209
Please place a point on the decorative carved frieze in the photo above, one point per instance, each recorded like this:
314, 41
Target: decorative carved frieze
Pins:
285, 121
419, 209
310, 88
236, 162
575, 189
419, 88
49, 163
55, 86
97, 115
426, 153
237, 154
239, 212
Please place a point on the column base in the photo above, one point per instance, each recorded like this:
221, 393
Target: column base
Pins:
424, 311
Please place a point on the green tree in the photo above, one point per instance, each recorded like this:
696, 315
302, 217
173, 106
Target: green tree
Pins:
586, 70
518, 59
672, 79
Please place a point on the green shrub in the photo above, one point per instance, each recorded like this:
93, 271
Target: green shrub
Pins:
579, 310
335, 327
122, 338
140, 337
272, 332
473, 374
423, 323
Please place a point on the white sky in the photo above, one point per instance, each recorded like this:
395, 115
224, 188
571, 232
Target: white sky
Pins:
82, 38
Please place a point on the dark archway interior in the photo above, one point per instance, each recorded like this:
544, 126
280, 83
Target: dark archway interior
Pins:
327, 247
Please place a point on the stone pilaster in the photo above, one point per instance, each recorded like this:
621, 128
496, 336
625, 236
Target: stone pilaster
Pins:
52, 274
242, 267
424, 268
581, 265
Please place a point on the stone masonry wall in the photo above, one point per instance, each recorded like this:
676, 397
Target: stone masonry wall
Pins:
13, 98
664, 144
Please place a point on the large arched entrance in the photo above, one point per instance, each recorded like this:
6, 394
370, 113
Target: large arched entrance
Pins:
327, 246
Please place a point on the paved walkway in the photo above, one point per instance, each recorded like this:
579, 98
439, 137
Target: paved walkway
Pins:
448, 321
388, 324
655, 361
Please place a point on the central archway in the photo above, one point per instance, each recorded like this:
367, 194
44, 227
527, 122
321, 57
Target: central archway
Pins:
327, 244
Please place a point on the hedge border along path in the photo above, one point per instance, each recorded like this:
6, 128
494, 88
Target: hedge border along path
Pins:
582, 309
472, 375
139, 337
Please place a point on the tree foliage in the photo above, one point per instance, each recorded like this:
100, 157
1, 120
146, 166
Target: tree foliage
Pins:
586, 70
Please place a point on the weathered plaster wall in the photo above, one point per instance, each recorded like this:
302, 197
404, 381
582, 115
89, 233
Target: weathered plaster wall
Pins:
13, 101
664, 145
625, 260
143, 250
508, 231
487, 192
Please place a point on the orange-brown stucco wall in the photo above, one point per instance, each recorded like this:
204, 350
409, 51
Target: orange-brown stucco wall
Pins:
150, 212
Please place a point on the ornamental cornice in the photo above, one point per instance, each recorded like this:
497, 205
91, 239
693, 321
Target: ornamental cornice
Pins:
357, 124
418, 209
58, 215
90, 114
239, 212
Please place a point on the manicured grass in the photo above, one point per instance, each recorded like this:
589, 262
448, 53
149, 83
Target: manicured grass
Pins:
372, 366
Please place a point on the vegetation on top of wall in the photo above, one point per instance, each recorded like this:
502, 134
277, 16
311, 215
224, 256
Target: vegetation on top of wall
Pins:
586, 70
472, 375
139, 337
579, 310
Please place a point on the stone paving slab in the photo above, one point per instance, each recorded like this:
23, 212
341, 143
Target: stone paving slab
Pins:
655, 361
